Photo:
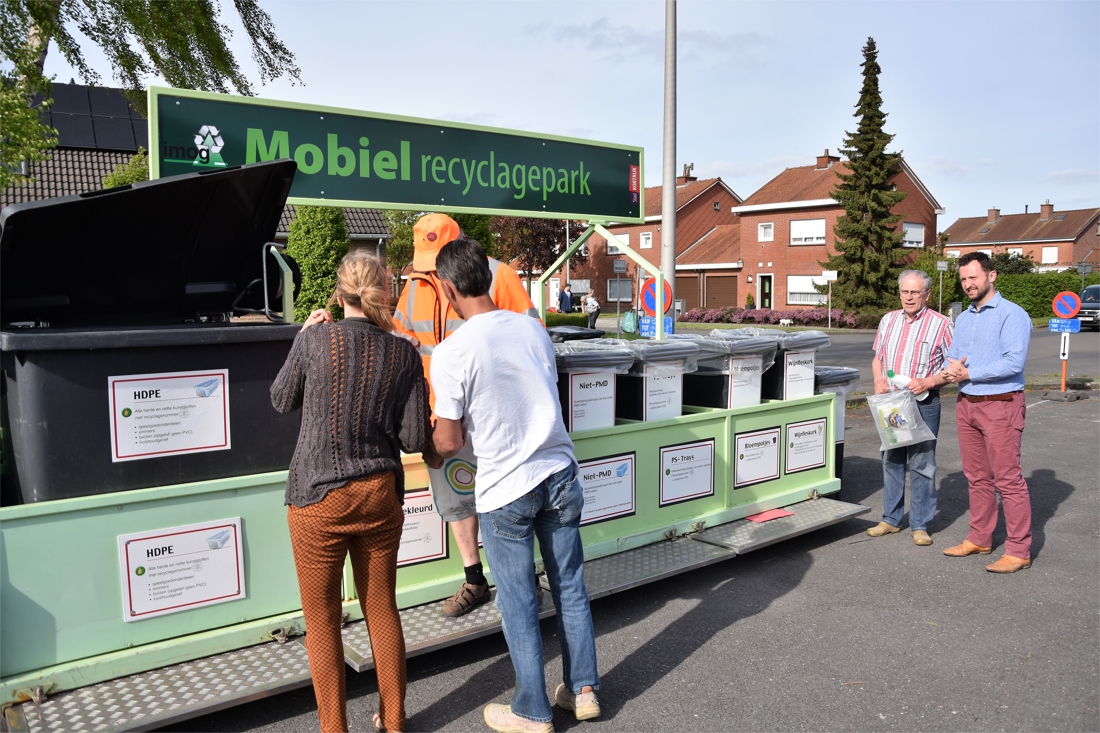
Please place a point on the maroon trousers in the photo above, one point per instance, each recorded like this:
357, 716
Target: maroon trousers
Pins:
989, 441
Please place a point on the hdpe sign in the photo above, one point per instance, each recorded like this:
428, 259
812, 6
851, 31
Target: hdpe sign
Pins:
352, 158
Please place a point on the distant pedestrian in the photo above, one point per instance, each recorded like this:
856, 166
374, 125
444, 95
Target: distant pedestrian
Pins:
987, 360
592, 308
912, 343
496, 375
565, 299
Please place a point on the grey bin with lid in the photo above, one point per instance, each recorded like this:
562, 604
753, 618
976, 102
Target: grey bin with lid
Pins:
729, 372
841, 381
139, 280
653, 387
586, 382
791, 377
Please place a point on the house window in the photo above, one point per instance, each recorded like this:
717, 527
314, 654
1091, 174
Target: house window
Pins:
989, 252
619, 290
912, 235
645, 240
801, 291
765, 232
954, 253
613, 249
808, 231
1050, 255
1018, 251
718, 207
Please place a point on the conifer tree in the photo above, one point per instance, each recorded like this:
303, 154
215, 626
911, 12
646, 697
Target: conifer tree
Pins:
869, 251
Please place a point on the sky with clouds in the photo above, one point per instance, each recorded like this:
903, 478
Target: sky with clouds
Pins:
994, 104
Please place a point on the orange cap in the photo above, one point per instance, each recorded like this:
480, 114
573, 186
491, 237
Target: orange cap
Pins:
430, 233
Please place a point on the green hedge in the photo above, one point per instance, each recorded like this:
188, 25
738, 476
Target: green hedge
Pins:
318, 241
1035, 292
567, 319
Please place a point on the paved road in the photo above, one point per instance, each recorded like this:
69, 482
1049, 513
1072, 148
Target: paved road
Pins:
853, 349
830, 631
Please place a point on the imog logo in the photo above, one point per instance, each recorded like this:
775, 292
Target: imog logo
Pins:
209, 144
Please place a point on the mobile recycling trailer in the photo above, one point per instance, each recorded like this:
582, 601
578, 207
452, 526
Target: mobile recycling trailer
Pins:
137, 590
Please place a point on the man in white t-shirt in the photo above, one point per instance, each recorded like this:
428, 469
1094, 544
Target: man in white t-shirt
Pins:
495, 379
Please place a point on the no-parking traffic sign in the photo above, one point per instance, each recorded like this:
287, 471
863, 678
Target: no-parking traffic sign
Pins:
1066, 304
649, 296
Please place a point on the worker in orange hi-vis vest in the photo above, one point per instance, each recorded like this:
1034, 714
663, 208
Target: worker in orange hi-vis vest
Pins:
424, 315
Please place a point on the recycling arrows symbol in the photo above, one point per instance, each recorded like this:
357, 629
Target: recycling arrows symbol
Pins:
210, 138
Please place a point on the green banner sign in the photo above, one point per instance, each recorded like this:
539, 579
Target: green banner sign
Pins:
351, 158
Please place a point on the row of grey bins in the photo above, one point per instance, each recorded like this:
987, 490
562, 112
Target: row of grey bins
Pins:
727, 368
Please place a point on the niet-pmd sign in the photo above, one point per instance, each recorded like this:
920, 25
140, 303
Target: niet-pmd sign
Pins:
353, 158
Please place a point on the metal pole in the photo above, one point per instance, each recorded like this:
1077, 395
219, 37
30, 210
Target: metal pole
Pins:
618, 306
566, 247
830, 306
668, 174
941, 292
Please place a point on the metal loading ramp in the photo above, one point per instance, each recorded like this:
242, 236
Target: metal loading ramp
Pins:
172, 694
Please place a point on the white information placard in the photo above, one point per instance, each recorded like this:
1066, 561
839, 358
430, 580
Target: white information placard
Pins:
798, 375
180, 568
805, 445
687, 471
591, 401
609, 487
746, 374
156, 415
664, 397
757, 457
424, 534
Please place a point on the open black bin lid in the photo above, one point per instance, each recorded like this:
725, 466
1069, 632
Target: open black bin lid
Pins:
157, 252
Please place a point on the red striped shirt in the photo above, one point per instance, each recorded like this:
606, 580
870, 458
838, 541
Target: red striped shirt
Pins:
913, 348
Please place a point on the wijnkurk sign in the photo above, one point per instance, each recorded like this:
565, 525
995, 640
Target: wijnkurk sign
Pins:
353, 158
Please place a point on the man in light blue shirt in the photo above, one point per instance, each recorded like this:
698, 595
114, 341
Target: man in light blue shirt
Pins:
986, 360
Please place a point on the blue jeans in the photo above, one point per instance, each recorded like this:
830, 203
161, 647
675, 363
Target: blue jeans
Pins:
921, 462
552, 512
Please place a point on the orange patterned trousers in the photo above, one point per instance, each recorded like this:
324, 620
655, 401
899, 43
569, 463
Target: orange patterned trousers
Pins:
363, 519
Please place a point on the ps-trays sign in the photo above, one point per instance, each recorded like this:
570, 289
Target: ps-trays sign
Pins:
362, 159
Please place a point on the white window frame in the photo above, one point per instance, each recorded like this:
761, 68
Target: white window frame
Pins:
765, 232
614, 249
798, 294
1018, 251
912, 243
988, 252
953, 254
815, 239
645, 240
625, 282
1050, 255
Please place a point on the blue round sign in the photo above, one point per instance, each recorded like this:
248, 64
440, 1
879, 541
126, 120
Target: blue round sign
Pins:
649, 296
1066, 304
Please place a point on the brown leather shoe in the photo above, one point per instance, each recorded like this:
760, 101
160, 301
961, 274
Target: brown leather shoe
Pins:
1008, 564
465, 600
882, 528
967, 548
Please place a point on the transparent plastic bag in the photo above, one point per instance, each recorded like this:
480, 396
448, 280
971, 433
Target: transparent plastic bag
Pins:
898, 420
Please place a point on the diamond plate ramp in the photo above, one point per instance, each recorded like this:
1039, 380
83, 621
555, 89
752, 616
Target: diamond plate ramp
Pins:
744, 536
152, 699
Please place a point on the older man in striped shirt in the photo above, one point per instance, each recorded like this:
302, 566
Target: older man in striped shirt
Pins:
912, 343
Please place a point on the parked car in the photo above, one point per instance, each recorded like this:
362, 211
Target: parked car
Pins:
1090, 307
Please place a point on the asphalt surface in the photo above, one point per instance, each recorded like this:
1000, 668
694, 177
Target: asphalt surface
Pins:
829, 631
853, 349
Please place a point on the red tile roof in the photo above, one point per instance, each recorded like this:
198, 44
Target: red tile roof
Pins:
684, 194
810, 183
806, 183
361, 223
1061, 225
720, 244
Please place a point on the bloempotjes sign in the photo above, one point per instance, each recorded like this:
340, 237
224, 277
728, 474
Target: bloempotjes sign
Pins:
355, 158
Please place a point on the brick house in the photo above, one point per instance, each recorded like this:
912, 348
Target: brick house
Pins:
787, 230
702, 206
1055, 240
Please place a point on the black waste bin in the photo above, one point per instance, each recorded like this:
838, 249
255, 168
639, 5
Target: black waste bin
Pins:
560, 334
122, 368
586, 382
653, 389
729, 372
791, 377
841, 381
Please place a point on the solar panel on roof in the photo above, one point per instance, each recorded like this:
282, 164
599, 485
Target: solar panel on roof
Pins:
113, 133
73, 131
70, 99
108, 103
141, 133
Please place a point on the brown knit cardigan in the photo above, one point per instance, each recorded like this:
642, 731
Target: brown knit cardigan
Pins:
363, 399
